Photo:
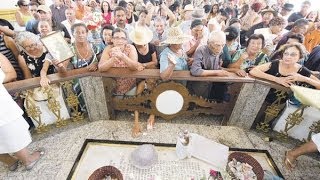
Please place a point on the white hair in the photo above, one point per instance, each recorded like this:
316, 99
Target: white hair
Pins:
25, 35
217, 35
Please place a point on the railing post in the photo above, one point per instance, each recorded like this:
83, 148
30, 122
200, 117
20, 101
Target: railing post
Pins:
248, 104
94, 96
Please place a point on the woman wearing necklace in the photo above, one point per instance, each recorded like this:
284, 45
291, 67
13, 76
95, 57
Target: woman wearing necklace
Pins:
86, 53
141, 37
35, 61
32, 57
245, 59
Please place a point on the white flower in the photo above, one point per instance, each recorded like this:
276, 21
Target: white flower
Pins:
31, 67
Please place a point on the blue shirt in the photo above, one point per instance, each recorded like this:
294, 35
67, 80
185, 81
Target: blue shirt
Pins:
164, 61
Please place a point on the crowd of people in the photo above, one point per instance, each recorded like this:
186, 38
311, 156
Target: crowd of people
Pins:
265, 39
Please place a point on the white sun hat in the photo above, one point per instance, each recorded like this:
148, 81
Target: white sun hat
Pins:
141, 35
176, 36
144, 156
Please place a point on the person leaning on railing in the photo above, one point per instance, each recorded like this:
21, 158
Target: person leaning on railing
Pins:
173, 58
286, 71
245, 59
14, 133
86, 55
207, 62
121, 55
36, 61
141, 37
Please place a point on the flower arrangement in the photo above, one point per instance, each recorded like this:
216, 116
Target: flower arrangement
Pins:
93, 20
215, 175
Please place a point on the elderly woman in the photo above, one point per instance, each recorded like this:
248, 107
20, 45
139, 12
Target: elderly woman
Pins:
36, 61
14, 133
173, 57
32, 57
122, 55
273, 33
286, 71
244, 59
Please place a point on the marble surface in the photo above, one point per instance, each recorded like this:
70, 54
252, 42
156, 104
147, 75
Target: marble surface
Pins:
248, 104
94, 96
63, 147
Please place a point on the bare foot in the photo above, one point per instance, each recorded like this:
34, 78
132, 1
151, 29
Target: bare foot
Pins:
136, 130
150, 124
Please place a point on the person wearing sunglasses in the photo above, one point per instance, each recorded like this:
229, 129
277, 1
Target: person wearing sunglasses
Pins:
23, 14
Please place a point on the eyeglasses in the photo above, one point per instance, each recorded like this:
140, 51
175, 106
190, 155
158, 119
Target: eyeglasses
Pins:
120, 38
290, 54
25, 5
33, 45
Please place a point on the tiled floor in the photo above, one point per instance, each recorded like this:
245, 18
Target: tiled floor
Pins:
63, 146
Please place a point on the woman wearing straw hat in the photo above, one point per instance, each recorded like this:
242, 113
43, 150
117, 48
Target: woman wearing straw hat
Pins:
141, 37
173, 57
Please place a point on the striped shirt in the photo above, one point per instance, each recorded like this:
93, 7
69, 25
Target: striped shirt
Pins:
8, 53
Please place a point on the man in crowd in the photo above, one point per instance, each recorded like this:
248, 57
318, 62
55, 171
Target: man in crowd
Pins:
305, 7
45, 15
71, 19
286, 10
120, 17
267, 15
207, 62
299, 27
58, 11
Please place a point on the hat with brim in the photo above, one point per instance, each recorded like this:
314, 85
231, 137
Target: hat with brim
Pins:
288, 6
144, 156
141, 35
269, 10
176, 36
43, 8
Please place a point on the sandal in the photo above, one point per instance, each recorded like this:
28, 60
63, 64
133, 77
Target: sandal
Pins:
14, 166
32, 164
289, 164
